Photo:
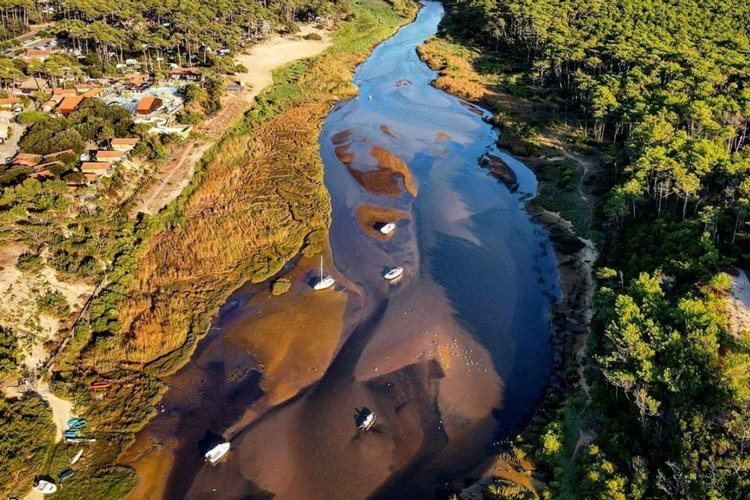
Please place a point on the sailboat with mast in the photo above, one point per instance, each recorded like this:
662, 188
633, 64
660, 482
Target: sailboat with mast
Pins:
324, 282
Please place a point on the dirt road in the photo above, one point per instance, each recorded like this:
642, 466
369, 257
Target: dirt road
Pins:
262, 60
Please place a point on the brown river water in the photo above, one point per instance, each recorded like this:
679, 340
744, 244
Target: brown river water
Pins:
451, 357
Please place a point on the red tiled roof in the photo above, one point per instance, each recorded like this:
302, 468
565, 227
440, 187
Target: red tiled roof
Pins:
185, 71
9, 100
60, 153
27, 159
44, 166
148, 104
60, 91
43, 174
109, 154
92, 93
69, 104
38, 53
95, 166
125, 141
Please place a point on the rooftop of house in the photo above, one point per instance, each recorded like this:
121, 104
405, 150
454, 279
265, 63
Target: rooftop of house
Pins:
27, 159
44, 166
70, 103
124, 141
38, 52
109, 154
60, 153
95, 166
92, 92
147, 103
61, 91
9, 100
184, 71
34, 83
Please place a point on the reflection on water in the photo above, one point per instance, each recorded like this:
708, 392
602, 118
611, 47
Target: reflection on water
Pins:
450, 357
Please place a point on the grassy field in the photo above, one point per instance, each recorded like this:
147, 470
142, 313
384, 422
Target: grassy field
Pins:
256, 201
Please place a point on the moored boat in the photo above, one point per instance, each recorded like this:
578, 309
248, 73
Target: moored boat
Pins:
387, 228
77, 423
216, 453
393, 273
45, 487
324, 281
77, 456
365, 419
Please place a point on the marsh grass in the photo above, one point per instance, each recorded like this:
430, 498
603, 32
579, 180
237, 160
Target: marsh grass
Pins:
256, 200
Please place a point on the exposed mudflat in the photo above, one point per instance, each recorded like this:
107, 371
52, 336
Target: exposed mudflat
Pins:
452, 356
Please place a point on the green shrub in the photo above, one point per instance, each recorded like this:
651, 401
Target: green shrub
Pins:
27, 433
280, 286
53, 303
29, 263
84, 266
189, 118
314, 243
31, 117
8, 353
312, 36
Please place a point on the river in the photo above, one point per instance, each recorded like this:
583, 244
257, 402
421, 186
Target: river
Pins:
451, 357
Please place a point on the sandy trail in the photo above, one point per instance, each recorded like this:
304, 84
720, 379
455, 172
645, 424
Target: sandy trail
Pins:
739, 305
261, 61
62, 411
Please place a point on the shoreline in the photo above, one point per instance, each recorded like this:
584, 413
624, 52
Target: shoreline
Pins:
569, 317
284, 216
258, 113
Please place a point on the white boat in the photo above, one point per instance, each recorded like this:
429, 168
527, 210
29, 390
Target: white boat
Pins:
44, 487
324, 282
216, 453
77, 456
367, 422
393, 273
388, 228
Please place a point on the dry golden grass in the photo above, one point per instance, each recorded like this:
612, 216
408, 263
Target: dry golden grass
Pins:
249, 211
457, 65
258, 200
457, 74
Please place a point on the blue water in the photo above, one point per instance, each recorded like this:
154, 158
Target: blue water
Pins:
452, 357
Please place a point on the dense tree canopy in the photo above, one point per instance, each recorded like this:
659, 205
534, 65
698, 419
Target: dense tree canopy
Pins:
666, 84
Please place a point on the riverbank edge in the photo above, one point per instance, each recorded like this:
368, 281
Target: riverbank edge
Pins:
569, 318
201, 323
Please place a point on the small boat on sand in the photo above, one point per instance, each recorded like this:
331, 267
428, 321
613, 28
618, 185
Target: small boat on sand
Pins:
393, 273
365, 419
324, 282
387, 228
45, 487
66, 474
77, 456
77, 423
216, 453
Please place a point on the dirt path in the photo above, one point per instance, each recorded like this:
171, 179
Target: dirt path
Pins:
62, 411
276, 52
739, 305
262, 60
